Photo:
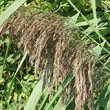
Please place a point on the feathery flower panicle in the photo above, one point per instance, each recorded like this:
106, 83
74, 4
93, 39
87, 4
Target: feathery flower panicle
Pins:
47, 39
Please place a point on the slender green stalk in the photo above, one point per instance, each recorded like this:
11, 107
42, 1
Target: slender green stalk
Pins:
93, 2
12, 81
97, 32
7, 50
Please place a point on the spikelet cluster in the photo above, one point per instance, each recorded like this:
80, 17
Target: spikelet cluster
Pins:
52, 43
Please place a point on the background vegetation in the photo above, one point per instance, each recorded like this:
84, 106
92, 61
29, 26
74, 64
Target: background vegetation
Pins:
20, 89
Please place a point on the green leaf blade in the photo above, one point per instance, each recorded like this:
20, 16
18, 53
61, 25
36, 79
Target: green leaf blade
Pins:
11, 9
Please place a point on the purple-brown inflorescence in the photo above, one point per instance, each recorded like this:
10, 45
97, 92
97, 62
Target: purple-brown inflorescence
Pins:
50, 42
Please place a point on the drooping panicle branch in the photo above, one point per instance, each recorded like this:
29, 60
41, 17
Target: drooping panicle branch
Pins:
47, 39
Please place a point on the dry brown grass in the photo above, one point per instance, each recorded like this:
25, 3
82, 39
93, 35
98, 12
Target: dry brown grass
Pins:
49, 42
